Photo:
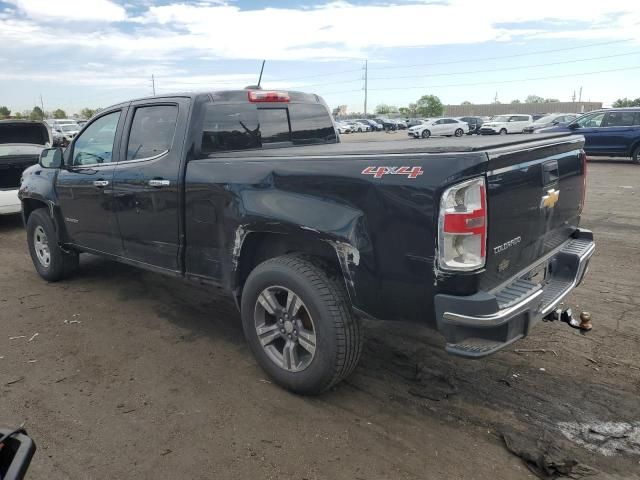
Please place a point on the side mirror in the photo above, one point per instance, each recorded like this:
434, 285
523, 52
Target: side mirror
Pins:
573, 126
555, 122
51, 158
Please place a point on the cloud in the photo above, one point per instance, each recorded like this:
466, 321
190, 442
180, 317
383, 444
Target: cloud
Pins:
150, 37
71, 10
336, 30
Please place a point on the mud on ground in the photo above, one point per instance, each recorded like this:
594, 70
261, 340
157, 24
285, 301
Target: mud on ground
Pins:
134, 375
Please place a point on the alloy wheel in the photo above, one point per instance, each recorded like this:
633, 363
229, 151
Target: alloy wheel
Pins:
285, 328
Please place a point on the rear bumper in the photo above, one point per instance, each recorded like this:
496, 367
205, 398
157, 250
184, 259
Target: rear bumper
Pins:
9, 202
478, 325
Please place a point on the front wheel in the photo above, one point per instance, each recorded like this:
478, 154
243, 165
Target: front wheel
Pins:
636, 156
503, 131
426, 134
299, 325
459, 132
51, 262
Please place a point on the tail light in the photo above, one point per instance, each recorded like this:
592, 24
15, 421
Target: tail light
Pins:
258, 96
462, 234
583, 158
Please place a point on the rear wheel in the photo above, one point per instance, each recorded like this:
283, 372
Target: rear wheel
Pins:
426, 134
459, 132
503, 131
51, 262
299, 325
636, 155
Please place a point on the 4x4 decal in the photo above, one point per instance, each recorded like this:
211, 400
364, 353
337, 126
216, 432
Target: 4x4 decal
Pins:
379, 172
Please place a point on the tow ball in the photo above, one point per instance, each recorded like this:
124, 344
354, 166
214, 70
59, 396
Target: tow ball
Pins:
566, 315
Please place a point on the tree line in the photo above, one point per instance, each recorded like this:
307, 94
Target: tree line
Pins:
431, 106
37, 114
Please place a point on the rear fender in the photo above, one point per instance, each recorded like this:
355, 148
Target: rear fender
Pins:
256, 242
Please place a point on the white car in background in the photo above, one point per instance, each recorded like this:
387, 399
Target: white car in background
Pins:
449, 127
343, 127
359, 127
69, 131
503, 124
21, 142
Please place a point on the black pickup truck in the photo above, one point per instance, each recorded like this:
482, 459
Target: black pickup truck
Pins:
252, 191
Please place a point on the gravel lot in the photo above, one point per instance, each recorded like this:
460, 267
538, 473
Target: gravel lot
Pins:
127, 374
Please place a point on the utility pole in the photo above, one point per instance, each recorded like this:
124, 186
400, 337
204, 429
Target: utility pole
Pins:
580, 96
366, 86
153, 84
573, 98
42, 106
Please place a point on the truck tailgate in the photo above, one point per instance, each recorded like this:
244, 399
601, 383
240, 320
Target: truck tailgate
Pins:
534, 200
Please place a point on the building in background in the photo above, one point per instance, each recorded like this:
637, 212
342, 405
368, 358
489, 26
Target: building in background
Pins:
491, 109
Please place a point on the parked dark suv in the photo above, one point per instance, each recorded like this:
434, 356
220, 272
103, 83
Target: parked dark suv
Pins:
613, 132
474, 124
387, 124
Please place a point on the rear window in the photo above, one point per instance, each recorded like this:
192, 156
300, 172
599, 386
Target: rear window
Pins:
240, 126
274, 125
311, 123
33, 133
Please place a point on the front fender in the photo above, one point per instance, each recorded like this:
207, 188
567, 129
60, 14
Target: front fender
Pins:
38, 187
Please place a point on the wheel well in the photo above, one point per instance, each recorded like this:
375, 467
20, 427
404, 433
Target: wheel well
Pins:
259, 247
29, 205
633, 148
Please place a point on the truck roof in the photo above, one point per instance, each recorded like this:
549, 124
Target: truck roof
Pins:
432, 145
237, 95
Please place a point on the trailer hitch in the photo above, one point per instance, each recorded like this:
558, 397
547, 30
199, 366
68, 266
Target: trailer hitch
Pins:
566, 315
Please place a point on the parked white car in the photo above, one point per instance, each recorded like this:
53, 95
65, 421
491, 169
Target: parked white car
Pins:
439, 127
503, 124
21, 142
360, 127
343, 127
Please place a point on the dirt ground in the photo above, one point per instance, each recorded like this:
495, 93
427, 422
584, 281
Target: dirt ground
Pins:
120, 373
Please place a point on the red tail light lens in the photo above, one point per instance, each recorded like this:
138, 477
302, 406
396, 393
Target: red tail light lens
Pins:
258, 96
583, 158
462, 234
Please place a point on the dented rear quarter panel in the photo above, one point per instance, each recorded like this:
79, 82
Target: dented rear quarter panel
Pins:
383, 230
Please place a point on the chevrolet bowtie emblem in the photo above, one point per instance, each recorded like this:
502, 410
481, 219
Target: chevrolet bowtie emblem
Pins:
550, 199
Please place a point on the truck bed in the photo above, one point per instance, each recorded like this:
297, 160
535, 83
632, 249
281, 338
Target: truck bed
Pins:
432, 145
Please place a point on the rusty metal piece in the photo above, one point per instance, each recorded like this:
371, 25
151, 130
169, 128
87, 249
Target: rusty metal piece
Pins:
585, 321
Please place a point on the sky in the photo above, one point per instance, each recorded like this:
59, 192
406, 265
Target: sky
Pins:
93, 53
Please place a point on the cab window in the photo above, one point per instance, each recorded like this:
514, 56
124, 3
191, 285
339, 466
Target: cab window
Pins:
152, 131
95, 143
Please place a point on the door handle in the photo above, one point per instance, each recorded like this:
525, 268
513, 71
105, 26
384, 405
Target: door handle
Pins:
156, 182
100, 183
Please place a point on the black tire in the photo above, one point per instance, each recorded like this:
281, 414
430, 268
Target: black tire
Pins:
60, 264
503, 131
459, 132
338, 333
425, 134
635, 158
